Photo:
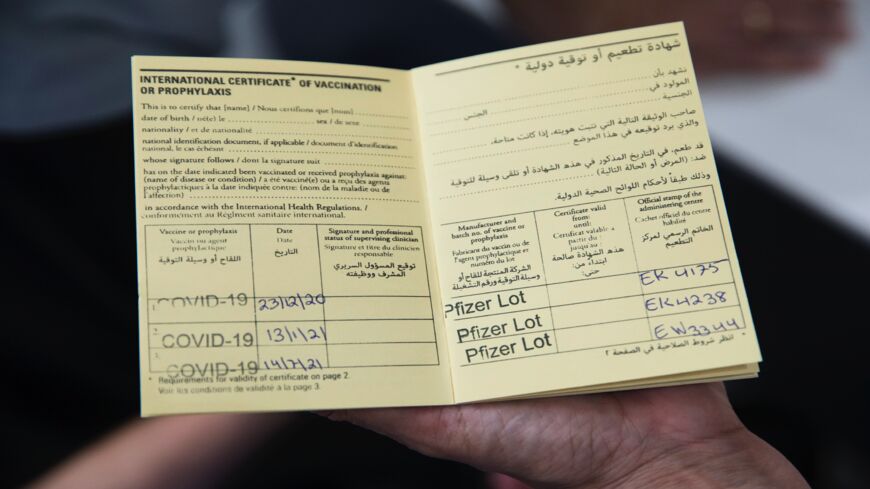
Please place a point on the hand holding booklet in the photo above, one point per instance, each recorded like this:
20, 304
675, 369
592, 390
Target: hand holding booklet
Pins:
533, 222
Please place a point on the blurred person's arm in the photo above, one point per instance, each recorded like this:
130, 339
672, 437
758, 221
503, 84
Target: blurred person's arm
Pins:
175, 452
725, 35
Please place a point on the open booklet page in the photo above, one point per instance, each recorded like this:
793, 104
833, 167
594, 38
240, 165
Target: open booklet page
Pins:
283, 245
581, 234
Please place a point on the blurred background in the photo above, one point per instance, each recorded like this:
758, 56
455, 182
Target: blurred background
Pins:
784, 88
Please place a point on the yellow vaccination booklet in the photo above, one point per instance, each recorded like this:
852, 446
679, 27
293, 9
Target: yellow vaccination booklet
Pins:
539, 221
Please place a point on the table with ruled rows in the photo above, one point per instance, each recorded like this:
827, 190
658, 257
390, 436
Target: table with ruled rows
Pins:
247, 297
610, 274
